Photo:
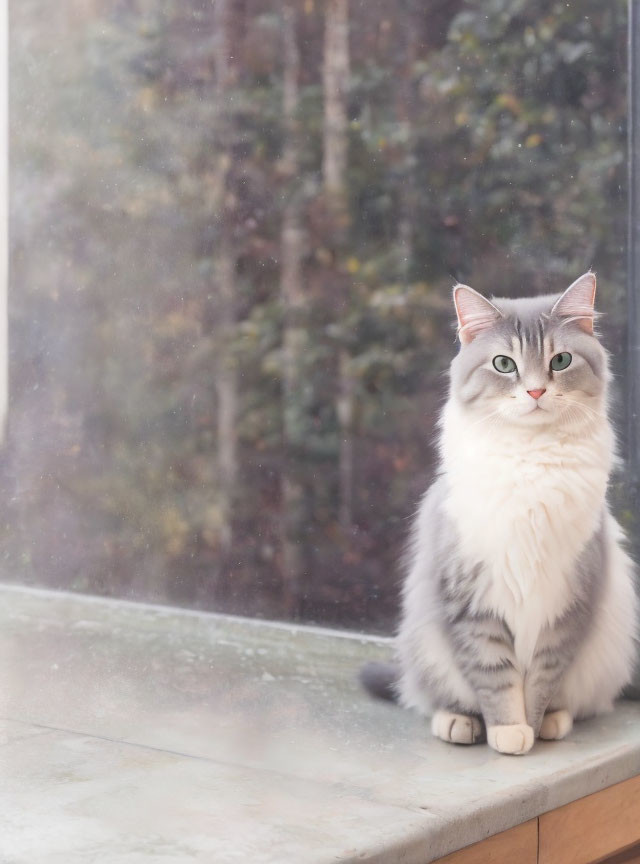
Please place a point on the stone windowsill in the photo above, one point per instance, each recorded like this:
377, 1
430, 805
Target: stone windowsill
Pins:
134, 733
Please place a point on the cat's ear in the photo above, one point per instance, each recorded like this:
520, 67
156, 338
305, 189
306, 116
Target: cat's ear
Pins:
475, 313
577, 302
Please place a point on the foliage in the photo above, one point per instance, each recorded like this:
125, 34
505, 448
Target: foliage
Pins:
487, 143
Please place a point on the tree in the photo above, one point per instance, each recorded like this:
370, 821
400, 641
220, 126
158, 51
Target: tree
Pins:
230, 309
334, 173
225, 255
295, 337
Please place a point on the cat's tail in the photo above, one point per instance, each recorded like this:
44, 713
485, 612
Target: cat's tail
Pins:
380, 680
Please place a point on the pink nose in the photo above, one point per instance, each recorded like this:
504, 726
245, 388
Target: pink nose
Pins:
536, 394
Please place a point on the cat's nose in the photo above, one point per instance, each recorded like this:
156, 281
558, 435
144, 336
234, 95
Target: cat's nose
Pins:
537, 393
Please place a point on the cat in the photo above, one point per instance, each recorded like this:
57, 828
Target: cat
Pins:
518, 608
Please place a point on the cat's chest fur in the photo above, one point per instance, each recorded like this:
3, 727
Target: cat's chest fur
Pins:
524, 506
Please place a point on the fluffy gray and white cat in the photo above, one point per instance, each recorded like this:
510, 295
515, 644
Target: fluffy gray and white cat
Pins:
518, 612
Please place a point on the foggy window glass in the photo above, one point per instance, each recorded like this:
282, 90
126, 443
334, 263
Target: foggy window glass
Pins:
234, 231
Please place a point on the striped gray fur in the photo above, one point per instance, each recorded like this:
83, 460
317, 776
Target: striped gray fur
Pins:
458, 653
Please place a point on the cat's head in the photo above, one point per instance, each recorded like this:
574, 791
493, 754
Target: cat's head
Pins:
532, 361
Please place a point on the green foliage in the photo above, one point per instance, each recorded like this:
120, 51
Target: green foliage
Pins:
494, 154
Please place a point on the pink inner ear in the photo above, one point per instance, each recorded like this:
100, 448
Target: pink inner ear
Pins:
475, 313
577, 302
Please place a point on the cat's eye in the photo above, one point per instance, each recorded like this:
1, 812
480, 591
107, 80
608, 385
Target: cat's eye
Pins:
561, 361
505, 364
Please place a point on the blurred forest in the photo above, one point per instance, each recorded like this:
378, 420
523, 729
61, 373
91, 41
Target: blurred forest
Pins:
235, 228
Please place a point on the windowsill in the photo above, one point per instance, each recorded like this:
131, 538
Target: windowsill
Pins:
159, 734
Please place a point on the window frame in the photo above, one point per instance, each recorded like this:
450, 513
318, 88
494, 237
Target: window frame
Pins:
4, 214
632, 395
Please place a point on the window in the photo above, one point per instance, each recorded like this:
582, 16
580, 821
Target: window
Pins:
234, 231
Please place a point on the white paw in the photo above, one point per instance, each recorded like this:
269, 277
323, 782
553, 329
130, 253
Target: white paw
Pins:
515, 739
456, 728
556, 724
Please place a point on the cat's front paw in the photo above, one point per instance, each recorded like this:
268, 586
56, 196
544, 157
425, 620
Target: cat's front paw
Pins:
515, 739
456, 728
555, 725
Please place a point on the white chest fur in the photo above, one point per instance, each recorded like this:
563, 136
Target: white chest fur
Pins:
524, 502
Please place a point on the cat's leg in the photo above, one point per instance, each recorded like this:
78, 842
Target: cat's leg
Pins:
507, 727
555, 725
484, 650
457, 728
546, 709
541, 695
540, 687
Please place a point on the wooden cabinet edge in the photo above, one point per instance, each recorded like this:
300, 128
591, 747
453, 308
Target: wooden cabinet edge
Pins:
585, 831
592, 828
519, 844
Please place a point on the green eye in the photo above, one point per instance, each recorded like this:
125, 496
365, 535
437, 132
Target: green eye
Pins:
561, 361
505, 364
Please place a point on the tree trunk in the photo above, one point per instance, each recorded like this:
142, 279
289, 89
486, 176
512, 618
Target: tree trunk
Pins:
335, 83
225, 256
334, 168
226, 391
345, 410
405, 118
294, 335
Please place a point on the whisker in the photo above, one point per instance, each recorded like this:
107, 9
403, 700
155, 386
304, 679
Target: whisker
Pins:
588, 412
582, 405
486, 419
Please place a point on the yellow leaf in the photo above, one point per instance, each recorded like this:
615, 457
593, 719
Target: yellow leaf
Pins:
353, 265
533, 140
175, 531
510, 102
